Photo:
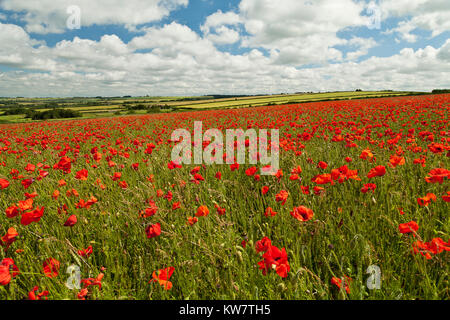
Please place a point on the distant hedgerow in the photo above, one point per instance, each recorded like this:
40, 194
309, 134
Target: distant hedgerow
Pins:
55, 114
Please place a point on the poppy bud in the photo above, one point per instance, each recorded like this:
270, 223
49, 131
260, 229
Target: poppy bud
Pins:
281, 287
239, 256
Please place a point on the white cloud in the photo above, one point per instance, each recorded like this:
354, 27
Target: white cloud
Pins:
219, 18
444, 52
300, 32
176, 60
430, 15
50, 16
221, 28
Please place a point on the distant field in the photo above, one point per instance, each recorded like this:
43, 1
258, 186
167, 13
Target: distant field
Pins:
104, 107
285, 99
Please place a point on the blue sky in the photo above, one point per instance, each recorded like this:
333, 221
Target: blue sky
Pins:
178, 47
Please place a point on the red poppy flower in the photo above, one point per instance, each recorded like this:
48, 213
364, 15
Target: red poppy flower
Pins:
437, 175
202, 211
395, 161
322, 179
198, 177
32, 216
162, 277
305, 189
366, 155
82, 175
220, 211
116, 176
51, 267
123, 184
26, 205
338, 282
437, 148
61, 183
71, 221
368, 186
97, 156
150, 147
263, 245
446, 197
150, 211
279, 174
169, 195
277, 259
56, 194
93, 281
33, 295
425, 201
173, 165
8, 270
318, 190
31, 195
234, 166
270, 212
298, 170
251, 171
12, 211
64, 164
282, 196
420, 161
409, 227
378, 171
4, 183
153, 231
435, 246
85, 252
176, 205
9, 238
322, 165
82, 294
302, 213
26, 183
192, 221
30, 167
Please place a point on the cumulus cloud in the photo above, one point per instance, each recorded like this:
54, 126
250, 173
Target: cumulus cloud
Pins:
50, 16
299, 32
430, 15
221, 28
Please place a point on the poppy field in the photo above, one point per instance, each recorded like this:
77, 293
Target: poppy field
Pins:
359, 209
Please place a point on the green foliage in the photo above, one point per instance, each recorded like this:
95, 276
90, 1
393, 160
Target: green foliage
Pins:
15, 111
54, 114
439, 91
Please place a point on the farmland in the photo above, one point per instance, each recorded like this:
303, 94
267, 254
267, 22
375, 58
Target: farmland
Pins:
110, 106
363, 185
